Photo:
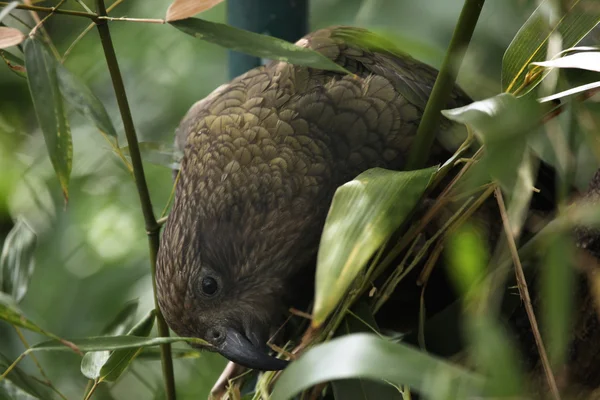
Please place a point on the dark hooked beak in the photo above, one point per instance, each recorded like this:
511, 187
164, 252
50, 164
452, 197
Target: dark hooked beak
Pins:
237, 348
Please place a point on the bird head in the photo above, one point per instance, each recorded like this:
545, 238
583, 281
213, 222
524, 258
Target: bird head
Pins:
226, 278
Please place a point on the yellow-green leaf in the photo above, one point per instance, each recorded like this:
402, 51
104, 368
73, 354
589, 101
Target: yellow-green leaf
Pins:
49, 109
119, 360
531, 42
255, 44
351, 357
363, 214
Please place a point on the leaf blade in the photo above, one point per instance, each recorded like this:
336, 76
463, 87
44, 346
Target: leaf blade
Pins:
82, 99
348, 242
49, 109
10, 37
397, 363
17, 262
255, 44
531, 41
181, 9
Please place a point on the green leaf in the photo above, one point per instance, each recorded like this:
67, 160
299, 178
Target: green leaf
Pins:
557, 286
24, 382
467, 255
92, 362
352, 356
99, 343
8, 9
496, 356
531, 42
255, 44
14, 63
153, 354
17, 260
364, 212
589, 60
49, 109
81, 98
503, 124
120, 359
10, 313
361, 319
570, 92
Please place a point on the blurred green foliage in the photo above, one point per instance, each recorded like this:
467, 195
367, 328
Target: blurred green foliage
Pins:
92, 256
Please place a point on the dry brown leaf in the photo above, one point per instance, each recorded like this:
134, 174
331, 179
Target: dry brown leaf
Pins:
181, 9
10, 37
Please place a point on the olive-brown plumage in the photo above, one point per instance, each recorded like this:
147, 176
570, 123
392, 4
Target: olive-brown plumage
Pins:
262, 158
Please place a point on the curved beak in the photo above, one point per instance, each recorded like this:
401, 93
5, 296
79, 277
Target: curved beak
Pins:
237, 348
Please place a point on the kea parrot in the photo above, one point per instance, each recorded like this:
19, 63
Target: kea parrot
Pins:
262, 157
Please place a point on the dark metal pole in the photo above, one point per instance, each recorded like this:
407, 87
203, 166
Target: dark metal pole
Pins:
284, 19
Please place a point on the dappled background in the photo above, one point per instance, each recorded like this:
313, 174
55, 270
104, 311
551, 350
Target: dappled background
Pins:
92, 255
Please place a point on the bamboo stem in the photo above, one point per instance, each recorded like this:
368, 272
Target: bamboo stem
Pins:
444, 84
152, 227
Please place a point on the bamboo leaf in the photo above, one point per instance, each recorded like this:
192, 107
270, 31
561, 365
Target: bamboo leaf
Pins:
153, 354
589, 60
557, 288
100, 343
531, 42
255, 44
364, 212
49, 109
8, 9
497, 357
349, 357
83, 100
10, 313
570, 92
361, 319
503, 124
181, 9
119, 360
13, 62
92, 362
24, 382
10, 37
17, 260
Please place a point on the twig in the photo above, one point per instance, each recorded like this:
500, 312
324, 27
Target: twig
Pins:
89, 394
444, 83
41, 22
52, 10
143, 20
85, 31
47, 37
522, 284
152, 227
47, 380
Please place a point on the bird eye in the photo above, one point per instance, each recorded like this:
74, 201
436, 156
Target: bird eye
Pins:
209, 285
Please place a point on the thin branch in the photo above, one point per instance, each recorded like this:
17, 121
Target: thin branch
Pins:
444, 84
522, 284
143, 20
85, 31
41, 22
152, 227
51, 10
46, 380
